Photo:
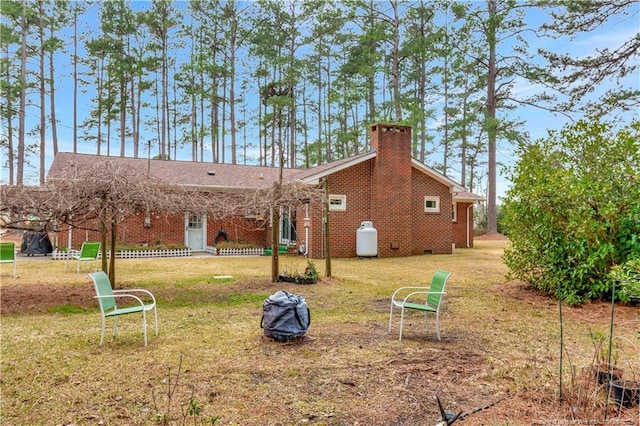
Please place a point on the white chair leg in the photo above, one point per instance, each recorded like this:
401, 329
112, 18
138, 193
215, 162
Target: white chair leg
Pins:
144, 326
102, 333
390, 317
401, 322
155, 317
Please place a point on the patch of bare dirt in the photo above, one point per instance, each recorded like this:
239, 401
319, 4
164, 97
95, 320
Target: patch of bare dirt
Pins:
33, 299
29, 299
595, 312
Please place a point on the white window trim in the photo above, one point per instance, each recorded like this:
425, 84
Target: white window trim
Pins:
434, 198
454, 214
337, 203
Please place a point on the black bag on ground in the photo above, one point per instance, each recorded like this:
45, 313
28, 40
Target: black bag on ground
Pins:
35, 243
285, 316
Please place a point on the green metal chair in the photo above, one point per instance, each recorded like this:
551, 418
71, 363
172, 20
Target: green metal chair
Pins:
405, 298
88, 252
8, 254
108, 308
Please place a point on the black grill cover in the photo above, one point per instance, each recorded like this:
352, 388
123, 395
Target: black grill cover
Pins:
36, 243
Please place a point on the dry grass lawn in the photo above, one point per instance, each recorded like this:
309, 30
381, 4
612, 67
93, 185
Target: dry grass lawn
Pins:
210, 363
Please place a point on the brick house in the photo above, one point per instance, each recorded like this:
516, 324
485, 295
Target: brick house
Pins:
413, 208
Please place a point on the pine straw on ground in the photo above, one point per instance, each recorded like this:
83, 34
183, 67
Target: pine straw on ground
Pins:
498, 354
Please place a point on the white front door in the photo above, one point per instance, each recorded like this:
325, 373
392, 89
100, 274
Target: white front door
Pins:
196, 231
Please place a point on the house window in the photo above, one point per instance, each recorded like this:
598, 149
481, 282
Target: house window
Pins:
288, 226
432, 204
195, 221
337, 203
454, 212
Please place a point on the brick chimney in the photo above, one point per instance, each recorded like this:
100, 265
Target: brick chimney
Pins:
392, 188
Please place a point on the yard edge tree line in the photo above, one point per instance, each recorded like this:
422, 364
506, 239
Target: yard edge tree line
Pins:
184, 74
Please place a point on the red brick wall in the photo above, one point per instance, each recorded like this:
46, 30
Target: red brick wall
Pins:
355, 184
169, 230
163, 230
427, 232
240, 230
431, 232
460, 226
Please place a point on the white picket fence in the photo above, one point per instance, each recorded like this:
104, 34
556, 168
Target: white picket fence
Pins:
63, 255
138, 254
129, 254
135, 254
249, 251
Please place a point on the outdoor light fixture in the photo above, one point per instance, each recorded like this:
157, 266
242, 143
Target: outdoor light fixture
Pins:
260, 221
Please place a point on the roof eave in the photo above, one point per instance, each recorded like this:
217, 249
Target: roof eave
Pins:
316, 178
473, 198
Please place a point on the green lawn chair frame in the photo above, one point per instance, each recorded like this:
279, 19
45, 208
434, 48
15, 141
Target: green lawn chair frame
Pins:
88, 253
8, 254
407, 298
108, 307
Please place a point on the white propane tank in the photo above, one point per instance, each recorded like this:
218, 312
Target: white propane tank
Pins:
366, 240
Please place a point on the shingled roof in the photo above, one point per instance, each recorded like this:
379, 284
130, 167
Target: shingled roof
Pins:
190, 174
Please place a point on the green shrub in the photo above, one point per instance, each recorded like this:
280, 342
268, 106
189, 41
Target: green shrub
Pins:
573, 211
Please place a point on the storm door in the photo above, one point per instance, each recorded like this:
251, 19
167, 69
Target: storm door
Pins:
196, 231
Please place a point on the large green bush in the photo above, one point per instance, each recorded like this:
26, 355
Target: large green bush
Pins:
573, 211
